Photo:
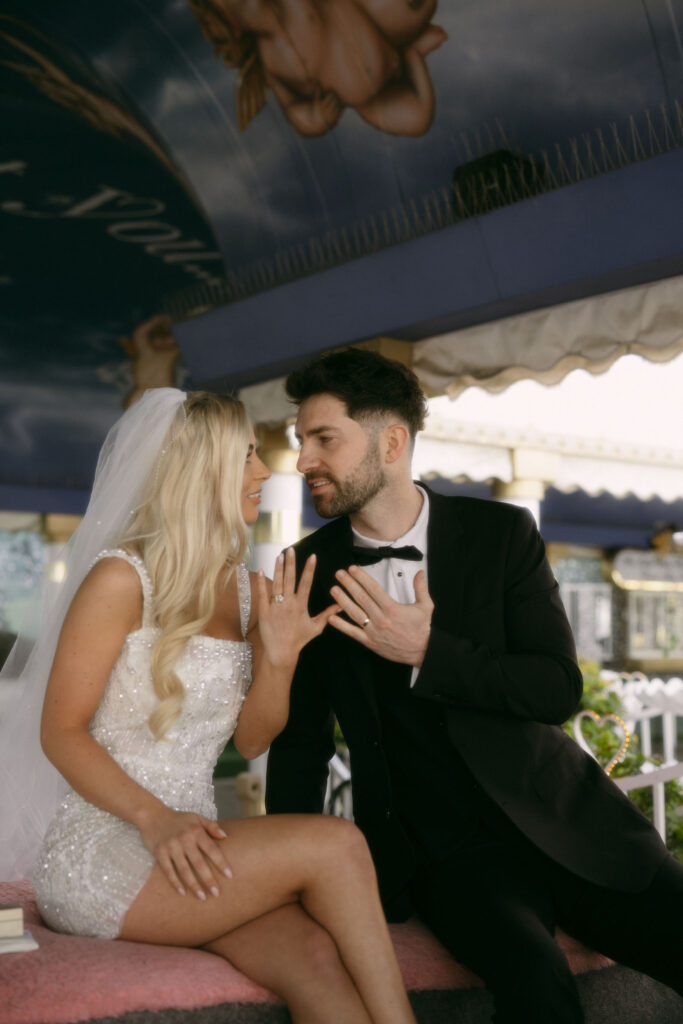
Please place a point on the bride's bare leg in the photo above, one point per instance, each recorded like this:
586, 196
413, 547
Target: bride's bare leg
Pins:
276, 860
288, 952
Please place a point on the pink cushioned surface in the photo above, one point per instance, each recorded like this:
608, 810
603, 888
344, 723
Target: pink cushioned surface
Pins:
73, 979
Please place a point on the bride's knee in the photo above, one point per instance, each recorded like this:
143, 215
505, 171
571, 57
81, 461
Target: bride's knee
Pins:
349, 846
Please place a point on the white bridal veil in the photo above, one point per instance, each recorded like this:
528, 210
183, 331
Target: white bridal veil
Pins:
30, 788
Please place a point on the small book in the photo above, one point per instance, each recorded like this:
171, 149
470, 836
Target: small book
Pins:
11, 921
18, 944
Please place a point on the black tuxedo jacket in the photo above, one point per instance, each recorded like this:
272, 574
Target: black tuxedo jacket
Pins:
501, 662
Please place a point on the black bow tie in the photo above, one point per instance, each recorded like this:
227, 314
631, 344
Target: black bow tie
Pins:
370, 556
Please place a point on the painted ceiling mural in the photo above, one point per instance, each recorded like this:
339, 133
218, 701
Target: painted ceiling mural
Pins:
160, 159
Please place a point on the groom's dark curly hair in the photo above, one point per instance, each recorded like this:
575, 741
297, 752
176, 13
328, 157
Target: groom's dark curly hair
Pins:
368, 383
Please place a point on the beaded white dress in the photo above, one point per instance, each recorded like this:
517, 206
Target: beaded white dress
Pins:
91, 864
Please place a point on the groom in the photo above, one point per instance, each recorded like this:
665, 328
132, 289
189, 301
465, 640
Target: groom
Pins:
450, 670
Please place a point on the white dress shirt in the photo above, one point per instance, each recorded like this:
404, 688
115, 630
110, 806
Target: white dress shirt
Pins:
397, 575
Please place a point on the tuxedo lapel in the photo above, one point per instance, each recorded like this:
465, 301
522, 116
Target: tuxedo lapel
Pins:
447, 556
332, 553
348, 661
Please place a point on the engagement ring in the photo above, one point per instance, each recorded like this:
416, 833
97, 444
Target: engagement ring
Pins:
364, 624
279, 598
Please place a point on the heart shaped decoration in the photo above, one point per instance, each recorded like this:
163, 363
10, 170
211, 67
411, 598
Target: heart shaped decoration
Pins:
620, 728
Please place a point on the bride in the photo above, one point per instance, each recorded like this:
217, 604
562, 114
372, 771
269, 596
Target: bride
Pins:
148, 647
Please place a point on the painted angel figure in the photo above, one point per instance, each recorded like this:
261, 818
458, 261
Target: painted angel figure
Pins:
320, 56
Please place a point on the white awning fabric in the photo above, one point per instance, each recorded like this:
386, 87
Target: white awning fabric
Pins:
596, 472
547, 344
620, 433
510, 395
544, 346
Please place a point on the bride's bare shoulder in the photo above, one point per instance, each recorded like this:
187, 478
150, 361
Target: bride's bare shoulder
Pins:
114, 571
114, 582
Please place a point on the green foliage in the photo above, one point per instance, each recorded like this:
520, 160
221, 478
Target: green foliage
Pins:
605, 742
339, 741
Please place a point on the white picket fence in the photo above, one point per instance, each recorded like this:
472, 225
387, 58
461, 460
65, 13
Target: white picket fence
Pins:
644, 702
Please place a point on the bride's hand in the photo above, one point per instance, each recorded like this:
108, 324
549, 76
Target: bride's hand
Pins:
284, 623
186, 850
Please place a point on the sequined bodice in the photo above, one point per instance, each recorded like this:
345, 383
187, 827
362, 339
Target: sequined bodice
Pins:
215, 675
91, 864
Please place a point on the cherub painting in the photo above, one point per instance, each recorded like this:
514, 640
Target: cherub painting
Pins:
319, 57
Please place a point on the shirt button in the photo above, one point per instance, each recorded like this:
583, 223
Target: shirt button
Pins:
400, 572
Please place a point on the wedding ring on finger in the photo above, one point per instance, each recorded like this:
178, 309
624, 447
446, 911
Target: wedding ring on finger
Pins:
277, 598
364, 624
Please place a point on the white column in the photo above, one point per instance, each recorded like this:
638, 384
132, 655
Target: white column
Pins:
279, 522
532, 470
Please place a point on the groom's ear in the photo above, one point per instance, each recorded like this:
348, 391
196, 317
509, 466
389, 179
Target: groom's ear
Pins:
396, 441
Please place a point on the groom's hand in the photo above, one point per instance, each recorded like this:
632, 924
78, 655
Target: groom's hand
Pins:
398, 632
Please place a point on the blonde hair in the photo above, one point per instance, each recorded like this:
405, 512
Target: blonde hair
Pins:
189, 529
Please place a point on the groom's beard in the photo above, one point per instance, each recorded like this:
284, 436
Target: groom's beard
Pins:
352, 494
